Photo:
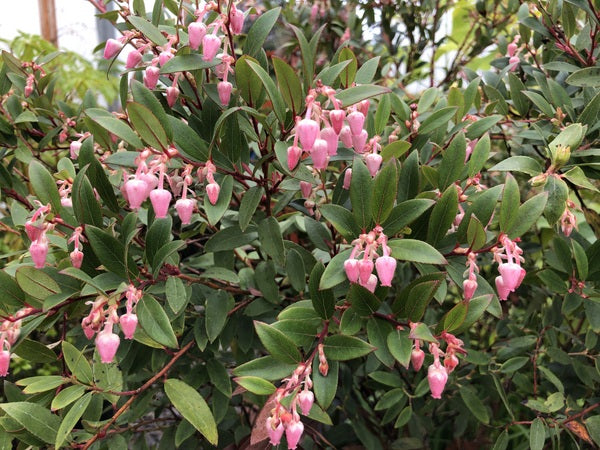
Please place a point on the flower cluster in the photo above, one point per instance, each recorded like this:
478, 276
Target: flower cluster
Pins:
9, 333
287, 420
102, 318
509, 261
360, 269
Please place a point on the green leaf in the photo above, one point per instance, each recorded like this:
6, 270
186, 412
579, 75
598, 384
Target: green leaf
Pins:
476, 237
250, 202
289, 84
578, 177
148, 29
384, 192
77, 363
271, 241
537, 434
541, 103
382, 114
362, 300
377, 332
405, 213
480, 155
118, 127
475, 405
143, 95
256, 385
394, 150
67, 396
272, 91
34, 418
71, 419
523, 164
443, 215
216, 211
477, 306
110, 251
558, 193
438, 119
193, 408
509, 205
34, 351
334, 272
477, 128
177, 294
97, 175
423, 333
348, 74
187, 63
44, 185
520, 102
342, 348
294, 267
357, 94
85, 206
325, 387
360, 194
155, 322
453, 162
587, 77
400, 347
147, 125
277, 343
418, 298
454, 318
342, 220
229, 239
415, 251
163, 253
157, 236
36, 283
259, 32
39, 384
219, 377
266, 367
367, 71
218, 305
593, 427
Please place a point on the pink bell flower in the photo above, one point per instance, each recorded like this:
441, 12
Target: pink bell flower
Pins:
351, 269
386, 266
212, 190
512, 275
172, 95
347, 179
469, 286
371, 283
417, 356
306, 399
373, 161
336, 118
210, 46
359, 141
236, 20
331, 137
137, 192
346, 136
4, 362
293, 433
74, 148
437, 376
365, 268
450, 363
133, 59
39, 250
164, 57
275, 432
356, 120
151, 75
107, 344
305, 188
293, 156
76, 258
196, 33
502, 289
308, 132
224, 88
185, 208
111, 48
319, 154
128, 324
160, 199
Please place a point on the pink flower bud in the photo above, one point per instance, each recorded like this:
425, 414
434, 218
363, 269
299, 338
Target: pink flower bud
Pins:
363, 106
236, 20
306, 189
293, 156
337, 117
450, 363
308, 132
224, 88
164, 57
107, 344
386, 266
347, 179
28, 90
351, 269
306, 399
513, 62
365, 268
275, 432
111, 48
137, 192
196, 32
293, 433
469, 286
160, 199
33, 231
74, 149
417, 357
512, 275
151, 75
319, 154
133, 59
331, 137
4, 362
172, 95
358, 142
511, 49
128, 323
356, 120
212, 190
437, 376
503, 291
66, 202
210, 46
373, 161
371, 283
185, 208
76, 258
346, 136
38, 251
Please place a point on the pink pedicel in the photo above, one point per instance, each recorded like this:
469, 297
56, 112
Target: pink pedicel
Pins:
236, 20
212, 190
347, 179
359, 141
172, 95
151, 75
160, 198
306, 399
185, 208
319, 154
346, 136
356, 120
133, 59
351, 269
74, 148
336, 117
210, 46
111, 48
305, 188
373, 161
196, 32
469, 286
365, 268
450, 363
308, 132
293, 433
371, 283
39, 250
224, 88
275, 432
164, 57
137, 192
331, 137
293, 156
502, 289
107, 344
417, 357
128, 324
437, 376
76, 258
386, 266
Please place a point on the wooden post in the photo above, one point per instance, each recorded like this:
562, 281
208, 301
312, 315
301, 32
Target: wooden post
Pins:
48, 21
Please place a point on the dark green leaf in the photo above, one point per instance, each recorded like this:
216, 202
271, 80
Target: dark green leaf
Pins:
155, 322
405, 213
271, 241
443, 215
453, 162
509, 205
523, 164
537, 434
475, 405
250, 201
272, 91
110, 251
187, 63
384, 192
34, 418
147, 125
277, 343
322, 300
71, 419
558, 192
148, 29
218, 305
256, 385
415, 251
259, 31
342, 348
334, 272
44, 185
216, 211
360, 193
119, 128
357, 94
438, 119
177, 294
289, 84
